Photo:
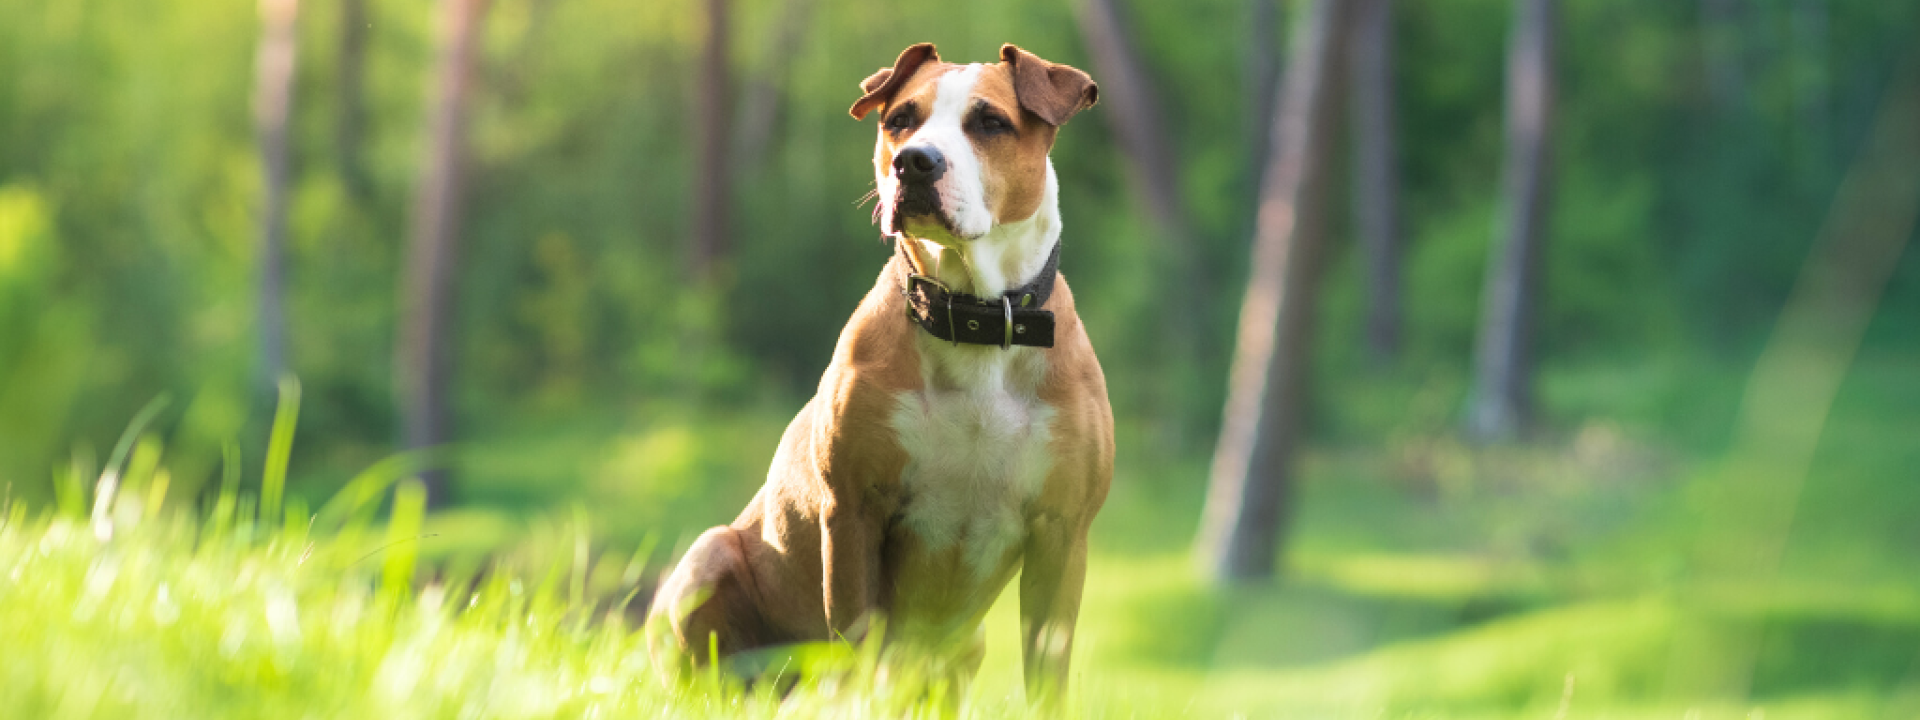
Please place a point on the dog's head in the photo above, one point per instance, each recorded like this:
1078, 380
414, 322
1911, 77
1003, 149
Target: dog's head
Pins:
963, 148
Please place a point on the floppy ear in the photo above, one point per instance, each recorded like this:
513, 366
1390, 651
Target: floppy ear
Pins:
880, 86
1052, 91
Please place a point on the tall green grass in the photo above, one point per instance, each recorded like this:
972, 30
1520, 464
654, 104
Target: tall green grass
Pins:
240, 610
1524, 582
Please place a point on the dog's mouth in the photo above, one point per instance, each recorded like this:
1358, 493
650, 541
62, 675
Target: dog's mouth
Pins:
916, 209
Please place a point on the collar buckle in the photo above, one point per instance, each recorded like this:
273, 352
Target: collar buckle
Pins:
1006, 306
928, 280
906, 291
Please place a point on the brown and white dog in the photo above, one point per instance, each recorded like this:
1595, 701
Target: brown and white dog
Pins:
939, 456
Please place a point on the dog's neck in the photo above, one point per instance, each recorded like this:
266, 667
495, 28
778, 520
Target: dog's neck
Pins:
1007, 256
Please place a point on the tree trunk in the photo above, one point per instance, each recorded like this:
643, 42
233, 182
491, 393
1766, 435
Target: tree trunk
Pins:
1376, 173
760, 100
1263, 85
1252, 475
351, 107
425, 358
1133, 109
273, 105
712, 181
1503, 371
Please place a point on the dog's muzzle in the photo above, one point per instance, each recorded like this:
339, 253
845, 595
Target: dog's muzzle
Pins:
917, 169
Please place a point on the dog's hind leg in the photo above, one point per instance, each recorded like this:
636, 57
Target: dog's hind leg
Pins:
706, 607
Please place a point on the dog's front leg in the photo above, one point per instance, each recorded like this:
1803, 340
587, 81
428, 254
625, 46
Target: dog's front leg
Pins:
1054, 569
850, 563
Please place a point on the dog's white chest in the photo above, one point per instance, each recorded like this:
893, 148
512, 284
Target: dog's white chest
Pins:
977, 451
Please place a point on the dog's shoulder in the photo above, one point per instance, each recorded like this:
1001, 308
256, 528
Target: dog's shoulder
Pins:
1076, 388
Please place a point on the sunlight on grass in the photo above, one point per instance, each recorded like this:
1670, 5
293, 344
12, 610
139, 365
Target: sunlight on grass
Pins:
115, 604
175, 617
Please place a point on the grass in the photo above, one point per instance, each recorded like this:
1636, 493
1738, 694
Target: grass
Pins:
134, 611
1426, 579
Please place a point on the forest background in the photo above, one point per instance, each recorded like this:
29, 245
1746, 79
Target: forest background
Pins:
620, 358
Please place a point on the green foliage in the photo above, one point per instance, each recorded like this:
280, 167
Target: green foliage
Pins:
126, 220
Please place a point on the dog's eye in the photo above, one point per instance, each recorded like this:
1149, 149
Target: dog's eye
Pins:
994, 123
900, 120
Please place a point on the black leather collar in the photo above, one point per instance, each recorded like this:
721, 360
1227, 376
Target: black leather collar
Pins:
1014, 318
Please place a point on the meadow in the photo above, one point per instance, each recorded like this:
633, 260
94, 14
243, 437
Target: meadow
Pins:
1430, 579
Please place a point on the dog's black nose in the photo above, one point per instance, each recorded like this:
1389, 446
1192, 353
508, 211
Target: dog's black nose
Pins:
919, 164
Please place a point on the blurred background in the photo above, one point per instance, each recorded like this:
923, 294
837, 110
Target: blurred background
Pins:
1604, 349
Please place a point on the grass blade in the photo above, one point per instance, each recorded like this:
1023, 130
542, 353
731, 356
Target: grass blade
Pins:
367, 487
225, 504
409, 508
132, 433
286, 417
109, 483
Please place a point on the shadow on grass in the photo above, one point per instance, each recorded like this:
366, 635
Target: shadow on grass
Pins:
1304, 639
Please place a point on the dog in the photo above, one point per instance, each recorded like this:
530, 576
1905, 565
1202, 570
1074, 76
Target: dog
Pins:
962, 431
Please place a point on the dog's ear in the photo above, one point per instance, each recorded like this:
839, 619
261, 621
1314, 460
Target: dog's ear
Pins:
1052, 91
880, 86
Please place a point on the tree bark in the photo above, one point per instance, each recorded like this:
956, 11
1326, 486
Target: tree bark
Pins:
1503, 369
1252, 476
1376, 176
272, 106
712, 179
350, 109
760, 100
424, 362
1133, 110
1263, 85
